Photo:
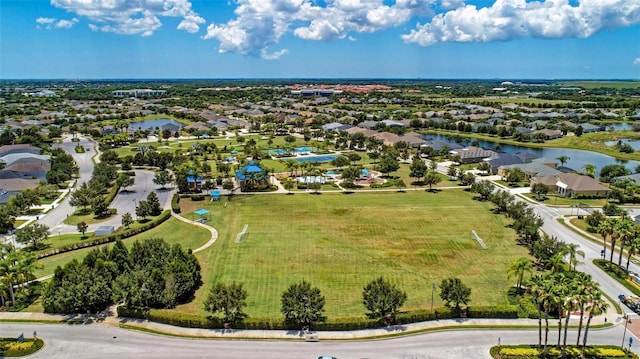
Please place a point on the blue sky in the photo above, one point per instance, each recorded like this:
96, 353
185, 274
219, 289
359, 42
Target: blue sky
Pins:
505, 39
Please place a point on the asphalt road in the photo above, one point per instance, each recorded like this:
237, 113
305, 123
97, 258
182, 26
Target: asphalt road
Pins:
55, 217
95, 341
125, 201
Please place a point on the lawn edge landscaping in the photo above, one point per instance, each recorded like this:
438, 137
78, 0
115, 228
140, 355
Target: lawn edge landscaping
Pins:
35, 346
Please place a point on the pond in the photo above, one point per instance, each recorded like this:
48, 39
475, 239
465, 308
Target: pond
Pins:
577, 158
618, 126
635, 144
153, 124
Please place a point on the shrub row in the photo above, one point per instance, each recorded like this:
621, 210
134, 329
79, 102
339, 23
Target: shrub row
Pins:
112, 193
528, 306
618, 274
530, 351
175, 200
353, 323
109, 238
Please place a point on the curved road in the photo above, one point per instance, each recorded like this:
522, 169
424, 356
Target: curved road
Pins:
96, 341
125, 201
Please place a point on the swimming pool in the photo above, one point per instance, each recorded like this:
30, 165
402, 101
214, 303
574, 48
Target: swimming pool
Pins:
323, 158
298, 150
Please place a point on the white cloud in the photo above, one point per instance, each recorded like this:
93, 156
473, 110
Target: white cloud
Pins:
259, 24
636, 61
512, 19
132, 17
45, 20
66, 24
52, 23
451, 4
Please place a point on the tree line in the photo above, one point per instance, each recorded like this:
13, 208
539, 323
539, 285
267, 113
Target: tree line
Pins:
302, 304
151, 274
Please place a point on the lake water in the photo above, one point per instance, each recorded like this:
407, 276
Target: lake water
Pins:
577, 158
152, 124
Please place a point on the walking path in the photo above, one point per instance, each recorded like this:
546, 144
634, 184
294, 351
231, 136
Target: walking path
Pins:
214, 232
442, 324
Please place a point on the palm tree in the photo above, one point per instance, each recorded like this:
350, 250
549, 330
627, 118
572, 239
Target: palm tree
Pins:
518, 269
614, 234
589, 170
626, 231
290, 165
563, 159
605, 228
574, 252
556, 263
583, 300
634, 248
540, 295
598, 305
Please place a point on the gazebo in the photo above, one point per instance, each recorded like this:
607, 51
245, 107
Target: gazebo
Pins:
203, 215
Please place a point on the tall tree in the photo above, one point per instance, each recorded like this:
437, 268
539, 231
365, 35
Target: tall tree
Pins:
228, 300
431, 179
517, 269
303, 304
82, 227
127, 219
383, 299
597, 306
417, 168
32, 234
574, 253
453, 291
162, 178
563, 159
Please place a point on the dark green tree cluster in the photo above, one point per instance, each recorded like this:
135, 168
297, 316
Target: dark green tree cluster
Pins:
151, 274
150, 207
63, 167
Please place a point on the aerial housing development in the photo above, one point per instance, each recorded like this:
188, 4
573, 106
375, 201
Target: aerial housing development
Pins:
384, 205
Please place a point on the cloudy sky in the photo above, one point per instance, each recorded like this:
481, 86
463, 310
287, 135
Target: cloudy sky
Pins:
506, 39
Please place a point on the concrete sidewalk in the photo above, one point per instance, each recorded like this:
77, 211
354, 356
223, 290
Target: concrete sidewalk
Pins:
443, 324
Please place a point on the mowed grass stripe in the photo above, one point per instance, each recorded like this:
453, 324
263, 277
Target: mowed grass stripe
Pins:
339, 243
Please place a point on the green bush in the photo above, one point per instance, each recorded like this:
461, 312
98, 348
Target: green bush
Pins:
175, 200
197, 198
527, 304
501, 311
112, 194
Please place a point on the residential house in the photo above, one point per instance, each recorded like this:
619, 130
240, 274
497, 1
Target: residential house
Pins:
502, 159
572, 184
472, 154
531, 169
549, 134
590, 128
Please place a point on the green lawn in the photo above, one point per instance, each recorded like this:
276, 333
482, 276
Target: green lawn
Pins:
553, 199
173, 231
340, 242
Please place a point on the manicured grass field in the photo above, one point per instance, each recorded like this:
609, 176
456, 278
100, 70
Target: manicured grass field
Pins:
173, 231
340, 242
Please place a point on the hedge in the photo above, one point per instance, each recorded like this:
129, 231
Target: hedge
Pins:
530, 309
175, 206
337, 324
112, 194
107, 239
501, 311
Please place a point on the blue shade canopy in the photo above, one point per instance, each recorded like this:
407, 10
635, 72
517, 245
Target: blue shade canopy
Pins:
251, 169
201, 212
